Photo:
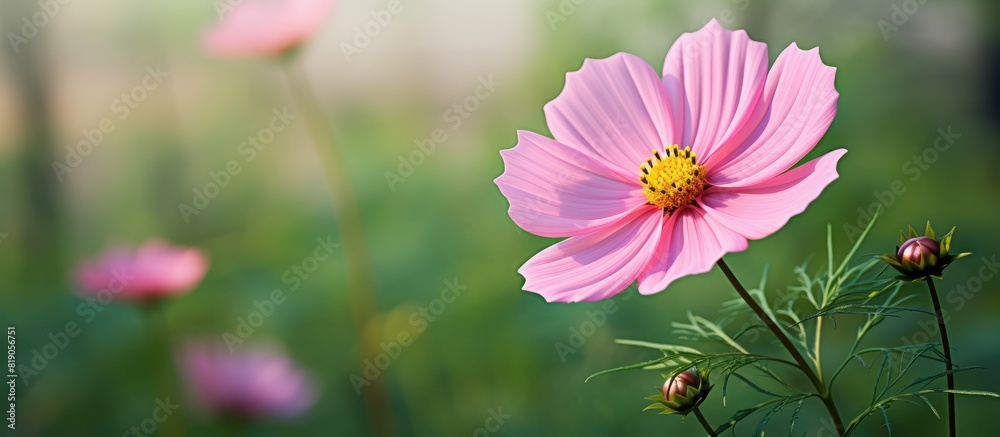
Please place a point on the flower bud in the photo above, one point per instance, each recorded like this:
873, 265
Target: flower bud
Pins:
918, 257
681, 393
678, 385
919, 250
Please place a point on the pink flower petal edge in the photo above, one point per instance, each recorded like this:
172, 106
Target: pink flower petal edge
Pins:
796, 109
594, 266
261, 28
760, 210
614, 110
692, 243
558, 191
153, 270
714, 79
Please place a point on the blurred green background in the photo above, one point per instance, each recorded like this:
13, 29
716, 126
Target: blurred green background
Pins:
495, 346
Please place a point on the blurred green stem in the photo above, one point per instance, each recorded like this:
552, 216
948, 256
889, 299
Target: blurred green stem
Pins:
347, 213
824, 395
704, 423
161, 356
952, 427
237, 426
42, 231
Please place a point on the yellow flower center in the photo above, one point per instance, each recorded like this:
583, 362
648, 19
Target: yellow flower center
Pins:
672, 178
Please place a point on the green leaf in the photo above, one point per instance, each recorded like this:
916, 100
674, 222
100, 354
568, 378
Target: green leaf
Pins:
655, 406
629, 367
985, 393
795, 416
885, 415
752, 385
746, 412
658, 346
929, 405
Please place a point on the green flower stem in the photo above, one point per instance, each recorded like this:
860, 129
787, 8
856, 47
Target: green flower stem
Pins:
704, 423
947, 356
816, 349
160, 355
824, 395
347, 213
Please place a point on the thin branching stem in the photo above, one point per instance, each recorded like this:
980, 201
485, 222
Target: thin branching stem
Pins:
947, 355
787, 343
816, 349
704, 422
360, 283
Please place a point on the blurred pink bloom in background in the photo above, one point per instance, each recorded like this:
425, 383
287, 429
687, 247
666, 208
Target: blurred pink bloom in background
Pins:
656, 178
152, 271
260, 28
255, 383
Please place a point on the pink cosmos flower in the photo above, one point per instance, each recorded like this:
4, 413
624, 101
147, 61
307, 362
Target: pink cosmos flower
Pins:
261, 382
656, 178
260, 28
152, 271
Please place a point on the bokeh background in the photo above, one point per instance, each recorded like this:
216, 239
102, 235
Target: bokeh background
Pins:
495, 347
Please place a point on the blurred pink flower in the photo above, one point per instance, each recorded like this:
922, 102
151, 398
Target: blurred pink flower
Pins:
260, 382
656, 178
260, 28
153, 271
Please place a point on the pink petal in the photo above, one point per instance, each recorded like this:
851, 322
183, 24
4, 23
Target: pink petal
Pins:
175, 271
714, 78
255, 28
557, 191
691, 243
760, 210
595, 266
798, 105
614, 108
153, 270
